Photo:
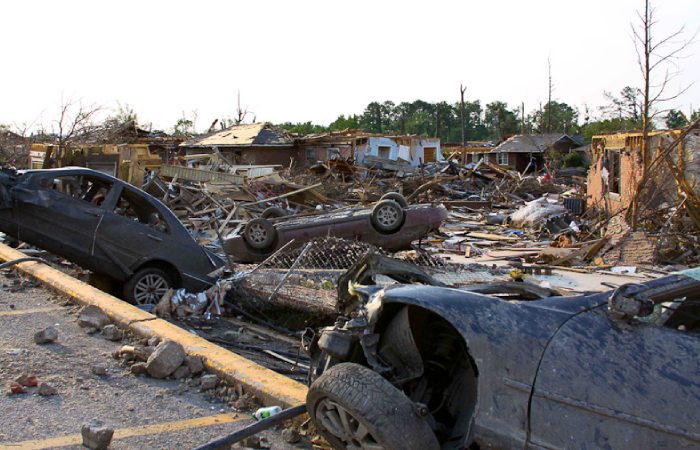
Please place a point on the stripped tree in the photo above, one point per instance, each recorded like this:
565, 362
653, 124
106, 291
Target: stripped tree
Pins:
75, 120
654, 57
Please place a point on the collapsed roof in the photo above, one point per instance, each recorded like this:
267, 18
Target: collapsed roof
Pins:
245, 135
535, 143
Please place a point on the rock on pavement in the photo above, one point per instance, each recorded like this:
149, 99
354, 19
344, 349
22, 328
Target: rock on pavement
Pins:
92, 317
194, 363
96, 435
46, 390
167, 357
112, 333
46, 336
208, 382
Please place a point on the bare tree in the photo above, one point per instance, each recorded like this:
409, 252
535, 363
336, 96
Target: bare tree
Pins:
239, 118
550, 87
655, 56
240, 113
75, 120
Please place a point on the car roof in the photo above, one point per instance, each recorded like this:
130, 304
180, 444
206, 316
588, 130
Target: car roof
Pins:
74, 170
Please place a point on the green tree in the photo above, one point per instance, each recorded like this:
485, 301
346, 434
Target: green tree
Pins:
675, 119
123, 114
446, 120
302, 128
402, 112
344, 123
628, 105
563, 118
372, 119
499, 120
184, 128
607, 126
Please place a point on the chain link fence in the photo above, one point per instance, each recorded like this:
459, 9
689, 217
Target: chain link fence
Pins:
301, 282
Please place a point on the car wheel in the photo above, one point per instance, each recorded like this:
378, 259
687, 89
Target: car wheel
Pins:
356, 408
395, 196
273, 212
387, 216
147, 286
259, 234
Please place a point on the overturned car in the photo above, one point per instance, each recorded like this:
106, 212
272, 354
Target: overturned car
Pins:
391, 224
107, 226
427, 367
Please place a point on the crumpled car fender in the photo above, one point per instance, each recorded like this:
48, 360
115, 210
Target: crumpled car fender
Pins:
32, 196
505, 340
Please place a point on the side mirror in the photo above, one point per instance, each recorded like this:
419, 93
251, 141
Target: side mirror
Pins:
628, 301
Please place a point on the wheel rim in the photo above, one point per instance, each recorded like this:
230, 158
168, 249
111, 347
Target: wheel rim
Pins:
342, 424
257, 233
150, 289
387, 216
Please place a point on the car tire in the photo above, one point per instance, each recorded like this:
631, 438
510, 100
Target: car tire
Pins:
387, 216
273, 212
259, 234
147, 286
395, 196
353, 407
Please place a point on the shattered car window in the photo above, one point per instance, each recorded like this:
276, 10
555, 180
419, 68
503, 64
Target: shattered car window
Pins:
135, 207
89, 189
682, 314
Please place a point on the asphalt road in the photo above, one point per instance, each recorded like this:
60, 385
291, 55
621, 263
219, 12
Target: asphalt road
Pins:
145, 412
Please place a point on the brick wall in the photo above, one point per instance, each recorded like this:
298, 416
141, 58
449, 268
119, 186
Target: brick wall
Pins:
630, 175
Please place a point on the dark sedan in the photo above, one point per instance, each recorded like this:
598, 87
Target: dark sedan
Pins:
107, 226
429, 367
391, 224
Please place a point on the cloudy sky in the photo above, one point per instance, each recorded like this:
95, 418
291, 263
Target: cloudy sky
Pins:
313, 60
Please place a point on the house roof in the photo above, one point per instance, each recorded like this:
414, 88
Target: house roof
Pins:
246, 135
533, 143
10, 138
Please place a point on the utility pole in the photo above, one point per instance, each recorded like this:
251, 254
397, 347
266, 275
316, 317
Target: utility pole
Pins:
549, 97
462, 90
522, 117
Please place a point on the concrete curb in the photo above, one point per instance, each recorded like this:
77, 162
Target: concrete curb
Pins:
267, 385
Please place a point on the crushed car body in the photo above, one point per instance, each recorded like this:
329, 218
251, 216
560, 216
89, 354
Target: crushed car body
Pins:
391, 224
107, 226
615, 369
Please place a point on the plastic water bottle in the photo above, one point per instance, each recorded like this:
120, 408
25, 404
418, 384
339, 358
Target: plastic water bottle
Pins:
264, 413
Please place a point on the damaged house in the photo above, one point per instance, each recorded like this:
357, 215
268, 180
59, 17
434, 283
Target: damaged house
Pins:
470, 152
369, 149
329, 146
618, 169
415, 150
254, 143
125, 151
523, 150
13, 147
651, 202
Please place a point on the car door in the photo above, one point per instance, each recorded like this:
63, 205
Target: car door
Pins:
54, 214
132, 231
605, 383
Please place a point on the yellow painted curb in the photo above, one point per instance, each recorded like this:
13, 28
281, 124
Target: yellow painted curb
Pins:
125, 433
269, 386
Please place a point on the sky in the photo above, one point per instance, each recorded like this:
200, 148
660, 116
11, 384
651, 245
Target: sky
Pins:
302, 60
